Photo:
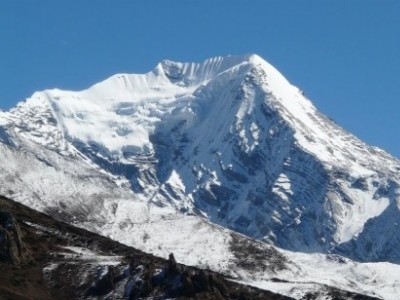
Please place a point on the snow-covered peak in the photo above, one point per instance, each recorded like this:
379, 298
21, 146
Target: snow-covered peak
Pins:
120, 113
229, 138
123, 111
196, 73
170, 78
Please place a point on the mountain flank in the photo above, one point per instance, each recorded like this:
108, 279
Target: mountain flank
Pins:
41, 258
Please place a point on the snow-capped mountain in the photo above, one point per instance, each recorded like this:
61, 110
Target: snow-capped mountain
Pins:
158, 160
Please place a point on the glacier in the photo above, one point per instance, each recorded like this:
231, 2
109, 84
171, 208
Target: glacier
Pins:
190, 154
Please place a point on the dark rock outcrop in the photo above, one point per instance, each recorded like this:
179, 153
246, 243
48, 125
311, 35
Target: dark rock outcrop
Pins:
10, 239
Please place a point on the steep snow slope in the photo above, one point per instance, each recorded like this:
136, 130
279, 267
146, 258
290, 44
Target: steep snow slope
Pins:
228, 139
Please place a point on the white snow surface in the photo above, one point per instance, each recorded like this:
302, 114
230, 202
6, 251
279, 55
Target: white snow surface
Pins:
169, 160
196, 242
374, 279
121, 112
86, 255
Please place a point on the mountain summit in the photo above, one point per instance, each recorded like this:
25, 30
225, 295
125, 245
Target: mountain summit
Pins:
228, 141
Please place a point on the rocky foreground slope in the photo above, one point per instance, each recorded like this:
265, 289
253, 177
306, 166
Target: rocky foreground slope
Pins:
41, 258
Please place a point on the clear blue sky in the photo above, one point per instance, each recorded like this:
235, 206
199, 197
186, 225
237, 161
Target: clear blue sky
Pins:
344, 54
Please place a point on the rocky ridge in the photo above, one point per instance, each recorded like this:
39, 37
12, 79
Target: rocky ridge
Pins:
45, 259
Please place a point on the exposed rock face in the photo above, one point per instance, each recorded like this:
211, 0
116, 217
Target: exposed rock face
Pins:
4, 245
11, 249
172, 265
